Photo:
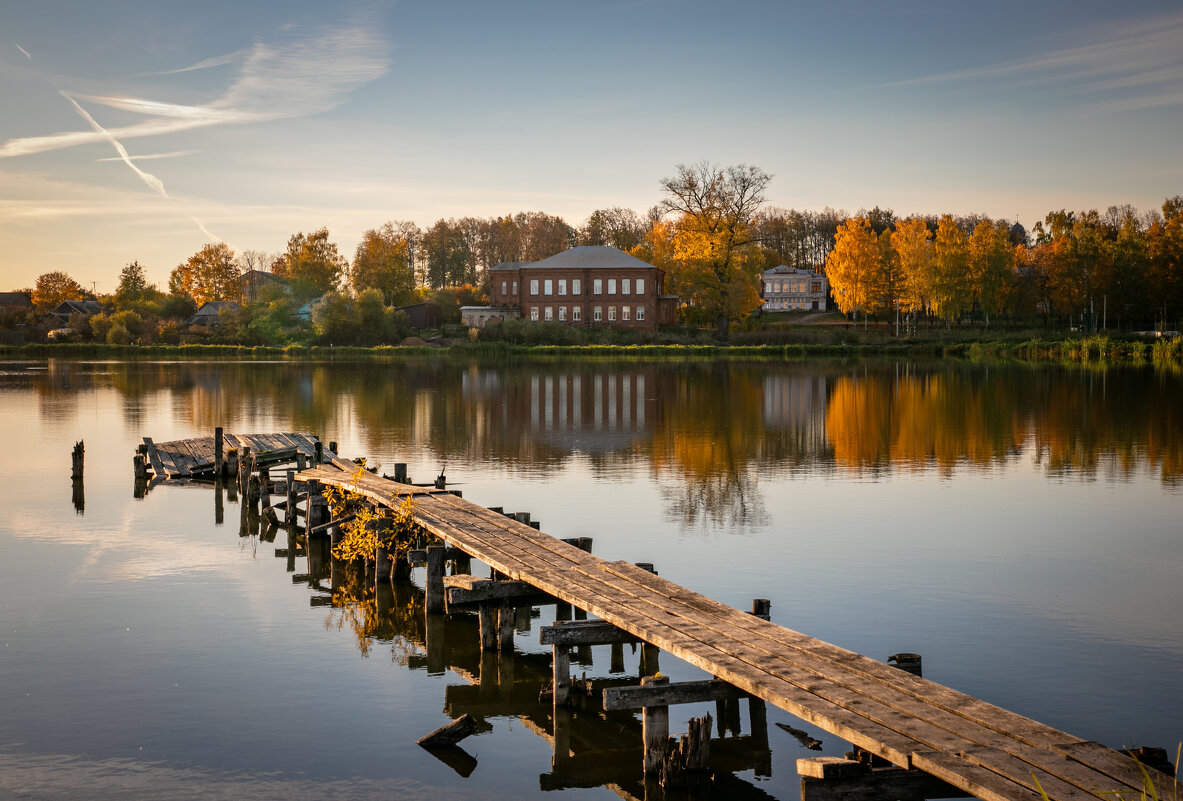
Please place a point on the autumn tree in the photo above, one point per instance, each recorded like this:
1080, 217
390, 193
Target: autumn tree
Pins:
384, 261
951, 292
991, 261
1165, 269
717, 258
311, 264
853, 265
133, 284
209, 274
912, 244
54, 287
445, 255
619, 228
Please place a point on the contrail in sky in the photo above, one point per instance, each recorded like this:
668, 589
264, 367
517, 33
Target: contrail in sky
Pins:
151, 180
148, 178
23, 50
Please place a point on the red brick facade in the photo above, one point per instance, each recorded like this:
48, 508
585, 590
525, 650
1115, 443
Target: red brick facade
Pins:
585, 286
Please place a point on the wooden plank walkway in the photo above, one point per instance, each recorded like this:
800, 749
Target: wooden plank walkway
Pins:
987, 751
192, 458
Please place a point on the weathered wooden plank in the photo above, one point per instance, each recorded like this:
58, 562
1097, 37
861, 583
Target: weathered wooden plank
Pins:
973, 779
1122, 767
682, 692
1070, 783
583, 632
484, 591
154, 457
883, 784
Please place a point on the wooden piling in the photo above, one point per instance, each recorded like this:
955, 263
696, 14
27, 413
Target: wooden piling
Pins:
434, 600
320, 451
76, 459
505, 619
561, 671
487, 614
757, 708
655, 729
400, 472
219, 464
332, 446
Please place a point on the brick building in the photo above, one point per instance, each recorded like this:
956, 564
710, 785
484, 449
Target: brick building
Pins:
585, 286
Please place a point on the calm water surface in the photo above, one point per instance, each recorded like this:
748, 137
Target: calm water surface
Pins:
1019, 527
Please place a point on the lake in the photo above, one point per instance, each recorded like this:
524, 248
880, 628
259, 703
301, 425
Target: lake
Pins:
1017, 526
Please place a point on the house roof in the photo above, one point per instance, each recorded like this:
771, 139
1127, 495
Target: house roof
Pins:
584, 257
16, 299
784, 269
210, 310
68, 307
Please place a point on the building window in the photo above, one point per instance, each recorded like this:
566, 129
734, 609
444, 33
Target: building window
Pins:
575, 286
562, 286
611, 314
624, 286
504, 286
562, 314
611, 286
597, 314
640, 313
576, 314
534, 286
548, 287
640, 286
817, 288
534, 313
624, 312
515, 288
597, 286
549, 313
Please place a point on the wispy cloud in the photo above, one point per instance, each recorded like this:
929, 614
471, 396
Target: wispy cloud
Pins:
24, 51
153, 156
216, 61
1140, 59
294, 79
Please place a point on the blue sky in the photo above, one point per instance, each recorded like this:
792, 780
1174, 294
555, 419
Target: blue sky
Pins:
136, 130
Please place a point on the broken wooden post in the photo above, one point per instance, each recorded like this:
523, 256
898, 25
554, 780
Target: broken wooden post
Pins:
910, 663
434, 599
78, 496
762, 608
400, 472
219, 507
684, 761
76, 459
441, 481
449, 734
244, 461
655, 728
290, 508
332, 446
219, 461
319, 451
301, 461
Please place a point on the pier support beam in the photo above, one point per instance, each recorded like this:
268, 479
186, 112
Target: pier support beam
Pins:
434, 600
655, 728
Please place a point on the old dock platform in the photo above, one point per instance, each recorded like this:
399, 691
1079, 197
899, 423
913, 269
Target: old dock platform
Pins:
923, 728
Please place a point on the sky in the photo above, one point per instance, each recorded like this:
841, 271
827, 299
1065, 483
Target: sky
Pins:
143, 131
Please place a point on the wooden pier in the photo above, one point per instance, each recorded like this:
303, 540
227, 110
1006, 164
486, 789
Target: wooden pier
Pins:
924, 728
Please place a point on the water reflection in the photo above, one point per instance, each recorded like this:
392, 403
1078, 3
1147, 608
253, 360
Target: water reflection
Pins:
708, 431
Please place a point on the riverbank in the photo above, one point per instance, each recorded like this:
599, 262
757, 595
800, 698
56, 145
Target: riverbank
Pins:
1093, 348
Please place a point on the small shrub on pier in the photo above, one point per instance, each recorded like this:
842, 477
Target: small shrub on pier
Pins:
366, 531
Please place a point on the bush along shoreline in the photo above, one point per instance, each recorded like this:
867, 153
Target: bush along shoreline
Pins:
1097, 348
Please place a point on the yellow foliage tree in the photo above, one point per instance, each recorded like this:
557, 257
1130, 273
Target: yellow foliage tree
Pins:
951, 290
853, 266
912, 244
53, 288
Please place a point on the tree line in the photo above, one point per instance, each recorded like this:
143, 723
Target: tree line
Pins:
712, 234
1120, 269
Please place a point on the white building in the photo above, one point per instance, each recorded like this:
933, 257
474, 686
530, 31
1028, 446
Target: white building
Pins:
794, 289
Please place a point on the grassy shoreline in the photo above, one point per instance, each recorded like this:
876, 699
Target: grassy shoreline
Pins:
1085, 349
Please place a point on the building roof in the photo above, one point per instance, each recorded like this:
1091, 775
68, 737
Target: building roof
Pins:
69, 307
21, 300
209, 311
785, 269
584, 257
